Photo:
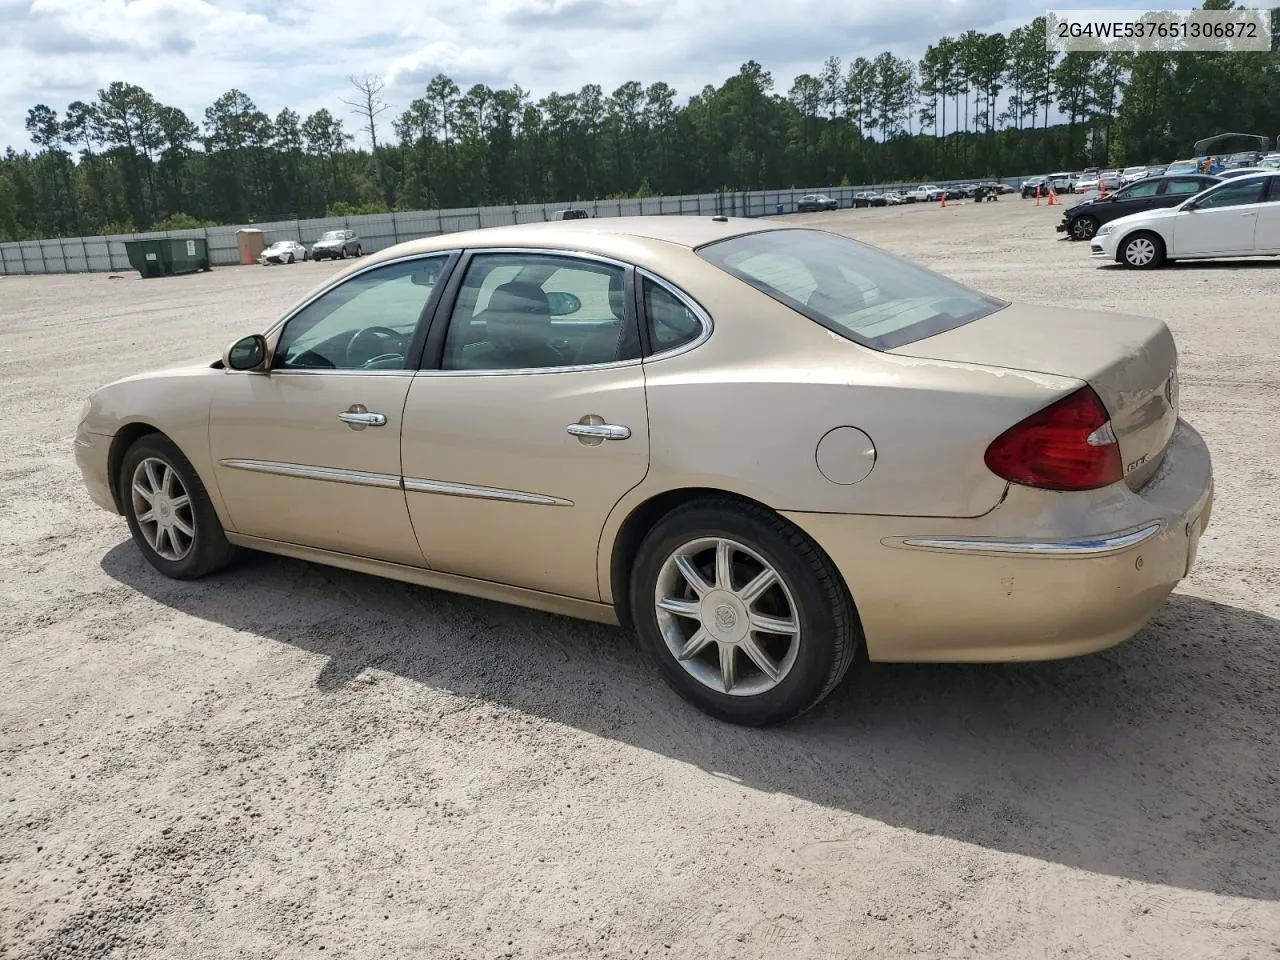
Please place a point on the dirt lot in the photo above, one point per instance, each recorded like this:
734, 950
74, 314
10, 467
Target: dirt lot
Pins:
292, 761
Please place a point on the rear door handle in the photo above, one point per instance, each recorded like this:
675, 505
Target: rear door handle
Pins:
358, 416
601, 431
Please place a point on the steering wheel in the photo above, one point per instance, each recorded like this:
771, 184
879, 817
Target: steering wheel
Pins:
381, 338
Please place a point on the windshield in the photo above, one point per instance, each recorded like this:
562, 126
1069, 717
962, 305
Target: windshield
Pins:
857, 291
332, 235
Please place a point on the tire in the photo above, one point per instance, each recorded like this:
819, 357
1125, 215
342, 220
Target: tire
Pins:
1141, 251
359, 251
343, 254
207, 549
290, 260
807, 596
1084, 228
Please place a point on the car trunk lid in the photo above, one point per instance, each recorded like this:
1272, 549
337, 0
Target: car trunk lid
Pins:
1130, 362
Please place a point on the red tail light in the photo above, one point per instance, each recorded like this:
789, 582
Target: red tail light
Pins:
1068, 445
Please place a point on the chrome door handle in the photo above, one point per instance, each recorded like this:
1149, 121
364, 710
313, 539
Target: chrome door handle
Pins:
601, 431
357, 417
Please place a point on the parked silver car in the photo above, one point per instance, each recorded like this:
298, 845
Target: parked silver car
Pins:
336, 245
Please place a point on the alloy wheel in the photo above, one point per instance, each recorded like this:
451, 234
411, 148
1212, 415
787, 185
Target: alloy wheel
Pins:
162, 508
727, 616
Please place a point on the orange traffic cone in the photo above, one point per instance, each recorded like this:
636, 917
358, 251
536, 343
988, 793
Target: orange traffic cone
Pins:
942, 200
1053, 197
1037, 194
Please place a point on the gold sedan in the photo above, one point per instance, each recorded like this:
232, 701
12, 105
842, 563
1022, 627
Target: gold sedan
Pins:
764, 449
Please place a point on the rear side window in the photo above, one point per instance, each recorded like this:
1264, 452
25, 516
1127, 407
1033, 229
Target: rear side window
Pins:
672, 323
857, 291
1185, 186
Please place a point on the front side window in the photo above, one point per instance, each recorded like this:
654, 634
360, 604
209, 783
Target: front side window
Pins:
1139, 190
1234, 194
857, 291
533, 311
365, 323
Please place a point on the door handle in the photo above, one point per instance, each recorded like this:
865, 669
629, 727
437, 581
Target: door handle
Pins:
1249, 213
599, 431
357, 417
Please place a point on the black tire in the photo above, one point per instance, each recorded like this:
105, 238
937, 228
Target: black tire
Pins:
343, 254
829, 632
1084, 228
1128, 254
359, 251
209, 549
290, 260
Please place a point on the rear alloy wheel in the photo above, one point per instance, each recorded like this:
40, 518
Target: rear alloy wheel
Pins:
289, 258
169, 513
1142, 251
744, 615
343, 254
1083, 228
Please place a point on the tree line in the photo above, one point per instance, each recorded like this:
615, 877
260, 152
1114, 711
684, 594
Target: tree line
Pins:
974, 105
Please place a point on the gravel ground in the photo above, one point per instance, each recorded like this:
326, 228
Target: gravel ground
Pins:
293, 761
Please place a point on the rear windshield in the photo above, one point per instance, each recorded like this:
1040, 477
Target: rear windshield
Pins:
857, 291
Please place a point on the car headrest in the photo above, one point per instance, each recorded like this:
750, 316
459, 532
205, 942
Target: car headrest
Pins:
518, 313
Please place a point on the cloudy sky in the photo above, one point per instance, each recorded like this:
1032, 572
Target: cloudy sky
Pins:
298, 53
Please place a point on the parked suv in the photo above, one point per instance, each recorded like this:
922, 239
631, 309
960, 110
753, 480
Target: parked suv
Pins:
336, 245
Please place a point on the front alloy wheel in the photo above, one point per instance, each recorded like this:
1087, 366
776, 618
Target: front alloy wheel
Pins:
1084, 228
169, 511
162, 507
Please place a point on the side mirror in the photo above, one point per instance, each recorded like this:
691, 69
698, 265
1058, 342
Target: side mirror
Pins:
249, 353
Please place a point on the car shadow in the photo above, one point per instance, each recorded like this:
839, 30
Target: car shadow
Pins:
1155, 761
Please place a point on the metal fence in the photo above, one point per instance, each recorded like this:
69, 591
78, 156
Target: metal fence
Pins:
381, 230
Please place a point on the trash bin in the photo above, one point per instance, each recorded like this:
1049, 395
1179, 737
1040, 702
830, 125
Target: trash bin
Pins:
185, 256
166, 257
778, 209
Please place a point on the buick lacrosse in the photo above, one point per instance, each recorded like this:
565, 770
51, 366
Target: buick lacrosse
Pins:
766, 450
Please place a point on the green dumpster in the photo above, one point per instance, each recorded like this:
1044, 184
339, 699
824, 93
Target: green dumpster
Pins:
165, 257
145, 257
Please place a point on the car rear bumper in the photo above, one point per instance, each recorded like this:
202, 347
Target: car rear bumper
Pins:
93, 452
1027, 581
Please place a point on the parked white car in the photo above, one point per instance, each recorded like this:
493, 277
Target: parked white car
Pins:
1133, 174
925, 192
284, 251
1237, 218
